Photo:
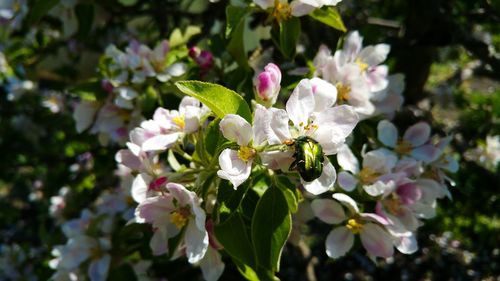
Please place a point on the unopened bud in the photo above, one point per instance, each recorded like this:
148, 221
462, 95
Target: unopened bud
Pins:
267, 85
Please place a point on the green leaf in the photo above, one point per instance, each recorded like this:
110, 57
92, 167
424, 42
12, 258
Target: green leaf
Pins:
246, 271
228, 199
329, 16
85, 16
39, 9
289, 191
235, 31
271, 226
233, 236
286, 35
212, 137
219, 99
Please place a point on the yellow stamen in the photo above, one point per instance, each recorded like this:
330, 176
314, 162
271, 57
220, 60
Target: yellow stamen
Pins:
354, 226
403, 147
178, 219
311, 126
282, 11
362, 66
343, 91
179, 121
246, 153
368, 176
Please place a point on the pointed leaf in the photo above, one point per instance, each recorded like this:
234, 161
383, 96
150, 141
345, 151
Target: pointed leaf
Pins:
219, 99
271, 226
329, 16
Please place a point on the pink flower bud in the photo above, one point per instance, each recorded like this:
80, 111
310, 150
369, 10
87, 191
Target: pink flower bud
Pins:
158, 183
107, 86
267, 84
203, 58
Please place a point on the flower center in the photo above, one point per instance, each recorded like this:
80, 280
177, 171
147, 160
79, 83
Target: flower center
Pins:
246, 153
179, 218
354, 226
403, 147
367, 175
179, 121
362, 66
282, 11
393, 205
343, 91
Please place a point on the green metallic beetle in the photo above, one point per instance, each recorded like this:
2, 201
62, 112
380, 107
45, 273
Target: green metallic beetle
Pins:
308, 156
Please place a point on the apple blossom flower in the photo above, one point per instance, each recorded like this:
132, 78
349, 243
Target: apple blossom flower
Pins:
297, 8
149, 178
78, 250
374, 238
390, 100
169, 213
413, 143
368, 59
375, 176
267, 85
236, 165
310, 110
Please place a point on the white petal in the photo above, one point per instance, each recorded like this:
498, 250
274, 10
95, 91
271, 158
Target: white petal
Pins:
177, 69
338, 242
98, 269
160, 142
233, 168
352, 45
347, 201
264, 4
425, 153
379, 188
387, 133
325, 94
278, 129
406, 244
347, 181
127, 158
418, 134
236, 129
277, 160
301, 9
328, 211
347, 160
376, 241
212, 265
140, 187
180, 193
159, 243
196, 242
376, 78
260, 123
374, 55
301, 103
84, 115
340, 120
324, 182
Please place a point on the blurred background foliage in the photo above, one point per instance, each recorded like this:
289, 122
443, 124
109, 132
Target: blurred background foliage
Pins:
448, 51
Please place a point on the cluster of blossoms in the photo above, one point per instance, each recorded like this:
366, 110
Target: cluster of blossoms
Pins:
360, 78
282, 9
14, 262
174, 175
403, 179
87, 250
124, 80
